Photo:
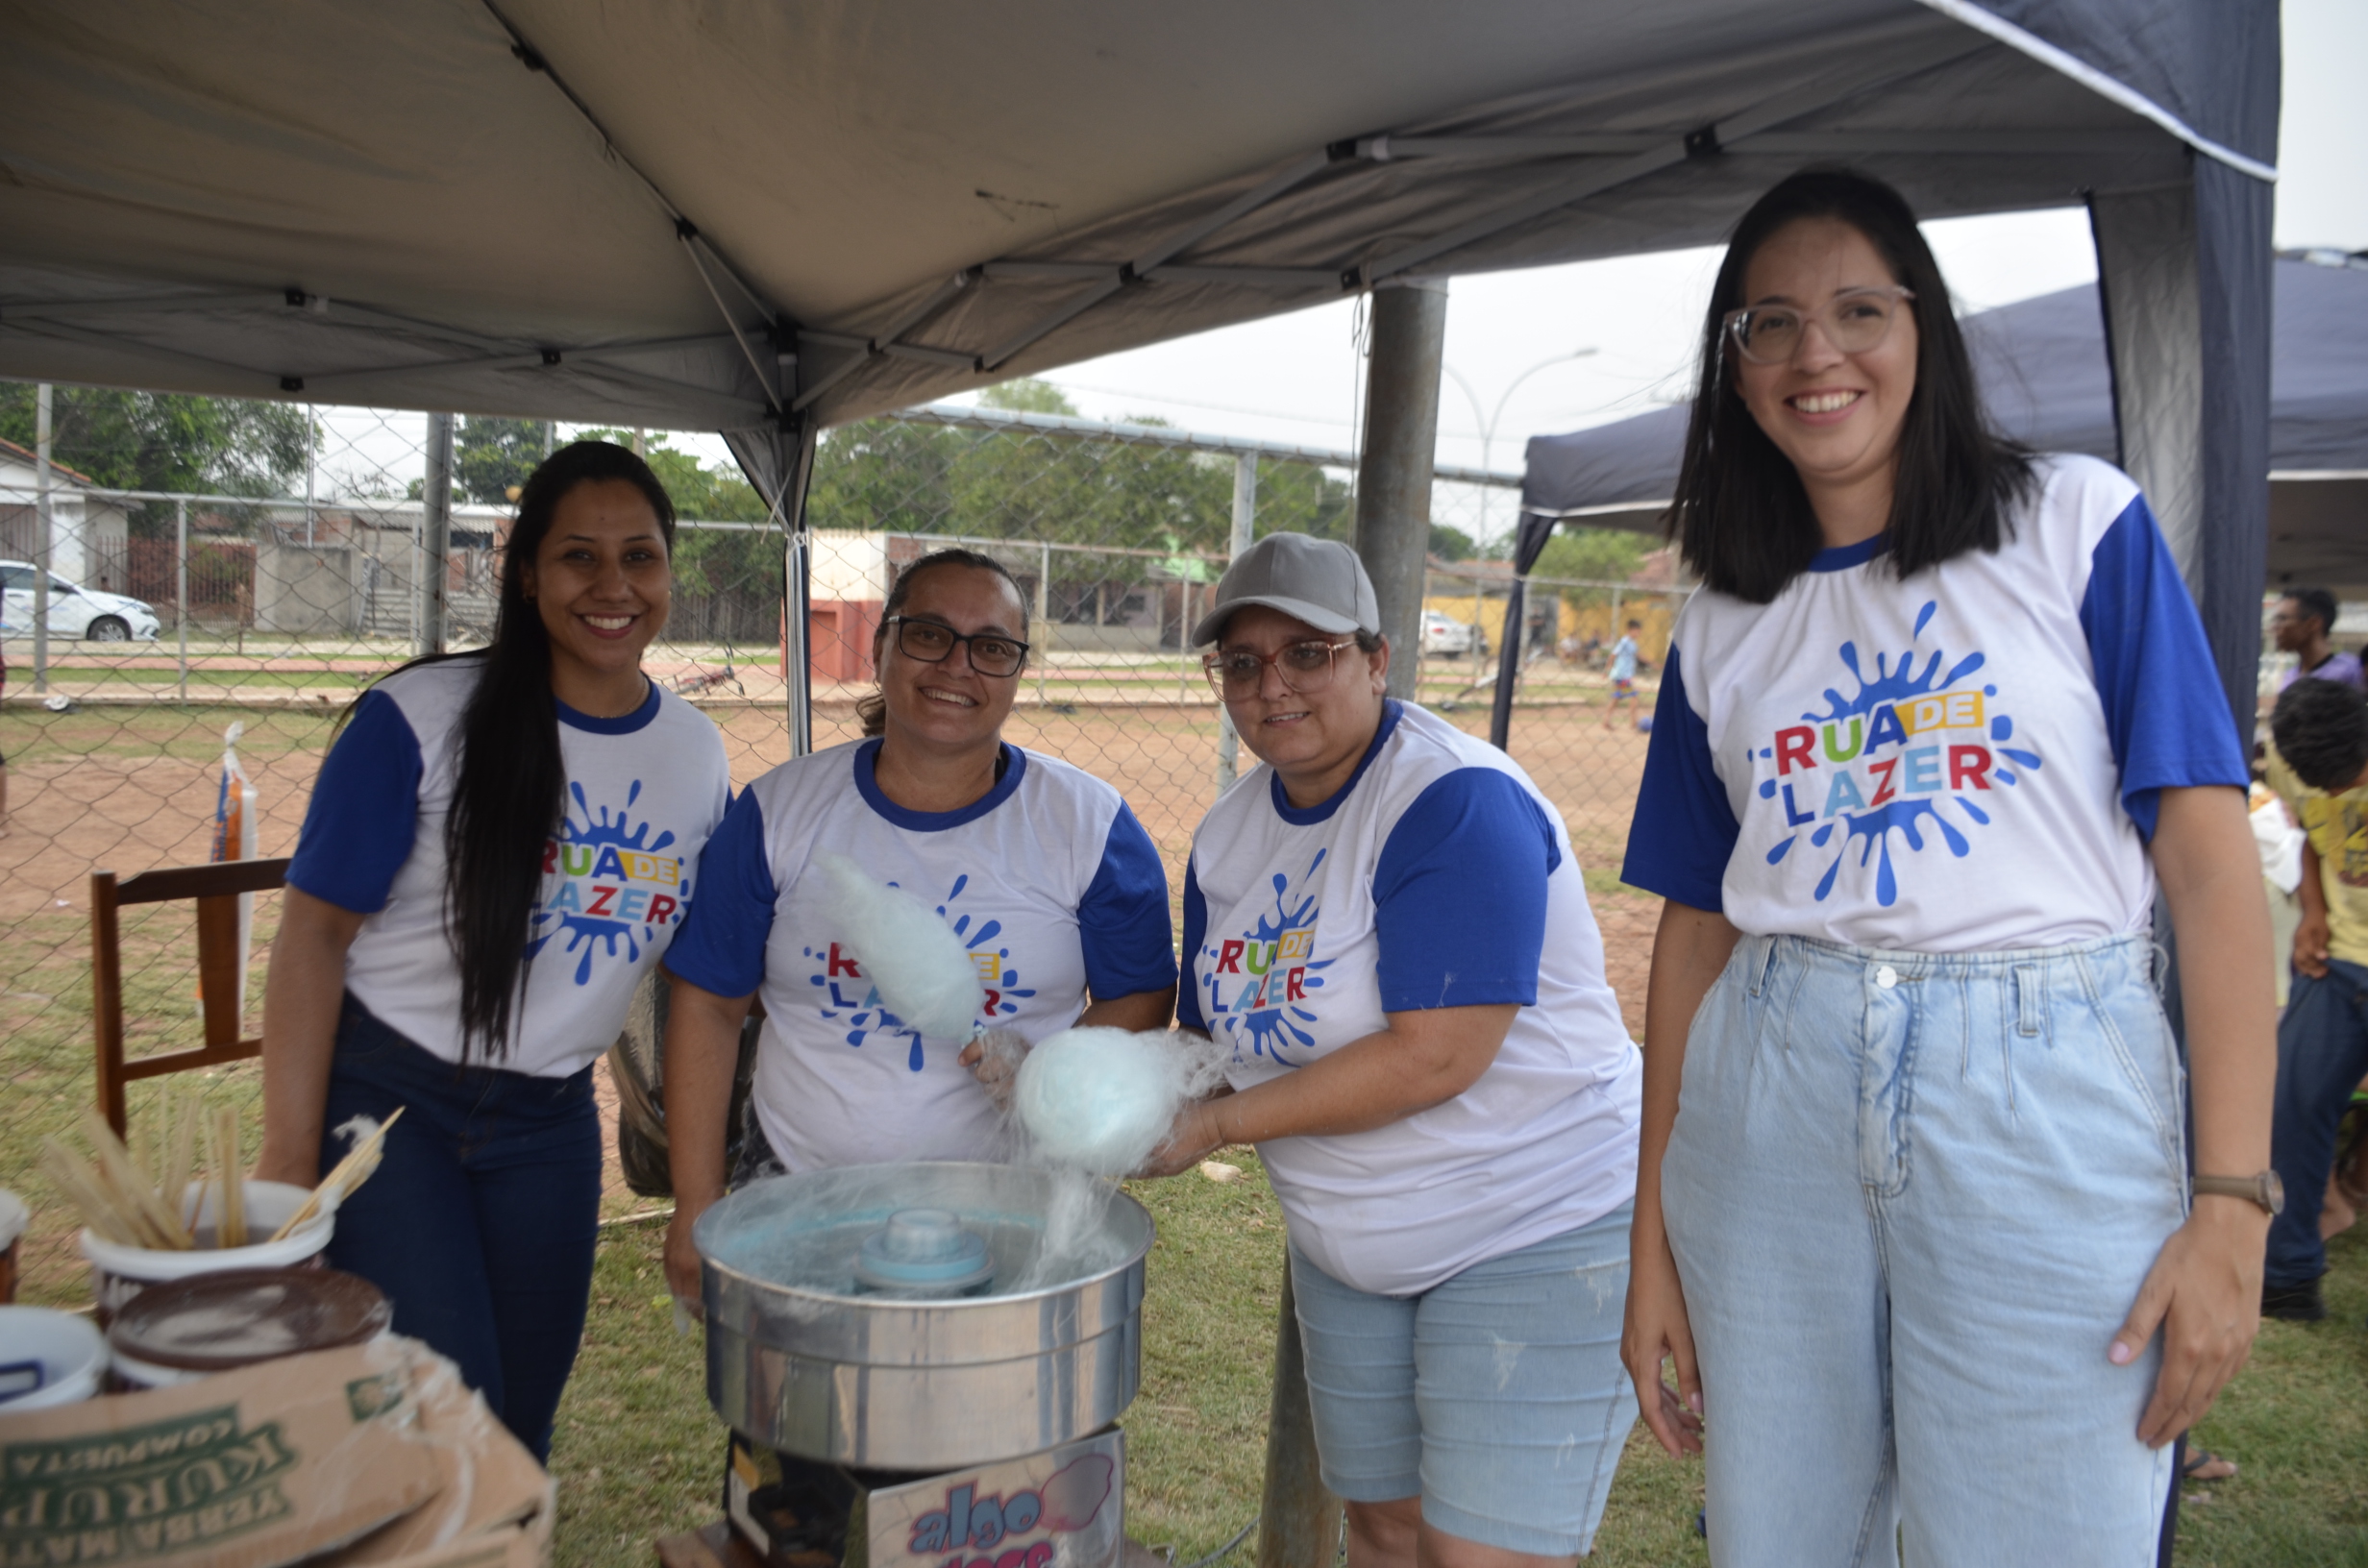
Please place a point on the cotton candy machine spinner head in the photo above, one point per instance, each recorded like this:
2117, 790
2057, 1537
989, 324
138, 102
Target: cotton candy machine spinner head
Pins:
923, 1316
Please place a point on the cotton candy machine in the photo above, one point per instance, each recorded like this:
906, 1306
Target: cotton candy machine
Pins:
954, 1340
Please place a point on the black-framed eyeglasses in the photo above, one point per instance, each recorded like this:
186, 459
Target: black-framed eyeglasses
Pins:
1306, 667
932, 642
1854, 321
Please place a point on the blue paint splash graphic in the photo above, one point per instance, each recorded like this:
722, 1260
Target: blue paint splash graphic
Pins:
867, 1017
595, 935
1271, 1030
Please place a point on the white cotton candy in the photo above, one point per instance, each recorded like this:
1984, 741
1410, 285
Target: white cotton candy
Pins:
914, 962
1101, 1099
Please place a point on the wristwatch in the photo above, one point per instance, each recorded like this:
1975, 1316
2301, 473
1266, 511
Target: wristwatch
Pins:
2266, 1189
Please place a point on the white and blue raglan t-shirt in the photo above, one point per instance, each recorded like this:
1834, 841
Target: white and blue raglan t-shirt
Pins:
643, 793
1050, 883
1965, 761
1437, 876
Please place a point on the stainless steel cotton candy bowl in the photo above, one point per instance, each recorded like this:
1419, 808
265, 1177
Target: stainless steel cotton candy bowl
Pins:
805, 1355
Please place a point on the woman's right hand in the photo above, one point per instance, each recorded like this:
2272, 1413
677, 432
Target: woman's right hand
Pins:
682, 1257
1656, 1329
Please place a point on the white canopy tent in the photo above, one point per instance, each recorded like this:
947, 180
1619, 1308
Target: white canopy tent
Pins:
766, 219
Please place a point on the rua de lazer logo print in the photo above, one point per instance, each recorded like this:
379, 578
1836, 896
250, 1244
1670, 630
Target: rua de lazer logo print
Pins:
845, 993
1887, 758
1259, 983
614, 886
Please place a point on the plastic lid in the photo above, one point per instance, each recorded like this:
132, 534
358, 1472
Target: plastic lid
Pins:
923, 1250
215, 1322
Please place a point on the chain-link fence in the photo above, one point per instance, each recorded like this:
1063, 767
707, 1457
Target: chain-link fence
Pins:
172, 616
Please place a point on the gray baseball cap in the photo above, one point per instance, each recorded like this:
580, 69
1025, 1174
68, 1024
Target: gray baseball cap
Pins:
1319, 580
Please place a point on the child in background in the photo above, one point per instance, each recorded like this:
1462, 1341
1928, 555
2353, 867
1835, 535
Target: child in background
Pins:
1623, 674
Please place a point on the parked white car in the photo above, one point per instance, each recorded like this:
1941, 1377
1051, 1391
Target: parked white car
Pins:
1445, 634
83, 613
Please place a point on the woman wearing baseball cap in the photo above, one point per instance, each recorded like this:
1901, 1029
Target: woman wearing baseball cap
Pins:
1385, 925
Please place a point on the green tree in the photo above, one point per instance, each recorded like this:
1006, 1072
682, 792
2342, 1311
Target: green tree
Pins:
166, 441
493, 456
1028, 396
1452, 543
1594, 554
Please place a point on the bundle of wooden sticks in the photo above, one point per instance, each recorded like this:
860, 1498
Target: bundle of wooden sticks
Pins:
122, 1202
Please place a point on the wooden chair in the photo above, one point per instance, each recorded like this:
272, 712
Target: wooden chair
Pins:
216, 889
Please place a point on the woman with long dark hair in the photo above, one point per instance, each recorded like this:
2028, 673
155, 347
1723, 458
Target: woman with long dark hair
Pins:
499, 844
1913, 1215
1040, 868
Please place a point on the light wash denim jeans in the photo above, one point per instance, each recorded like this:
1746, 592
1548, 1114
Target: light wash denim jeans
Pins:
1497, 1396
1912, 1198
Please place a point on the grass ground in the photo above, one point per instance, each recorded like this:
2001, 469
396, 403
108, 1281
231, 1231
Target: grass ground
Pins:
640, 1455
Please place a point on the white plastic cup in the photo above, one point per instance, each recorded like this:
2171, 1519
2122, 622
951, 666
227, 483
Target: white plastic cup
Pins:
71, 1351
118, 1273
14, 1216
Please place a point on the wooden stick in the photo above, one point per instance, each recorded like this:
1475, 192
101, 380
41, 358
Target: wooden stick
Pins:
180, 1162
350, 1173
133, 1187
230, 1227
75, 1178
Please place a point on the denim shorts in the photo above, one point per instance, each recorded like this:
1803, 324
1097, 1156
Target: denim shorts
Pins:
1912, 1198
1497, 1397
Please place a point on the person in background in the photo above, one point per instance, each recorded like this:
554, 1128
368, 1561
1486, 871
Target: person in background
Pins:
1387, 934
1912, 1214
2301, 624
499, 844
1050, 880
1623, 673
2320, 768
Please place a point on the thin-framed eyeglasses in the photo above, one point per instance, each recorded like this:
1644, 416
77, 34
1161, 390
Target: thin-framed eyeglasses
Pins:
1854, 321
1304, 666
932, 642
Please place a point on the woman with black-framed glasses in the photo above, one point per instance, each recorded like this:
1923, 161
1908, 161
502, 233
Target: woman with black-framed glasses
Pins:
1386, 931
1039, 867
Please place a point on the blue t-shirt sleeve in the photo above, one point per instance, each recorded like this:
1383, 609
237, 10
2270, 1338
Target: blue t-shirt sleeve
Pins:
1684, 831
721, 947
1460, 895
1122, 922
364, 817
2163, 705
1189, 1012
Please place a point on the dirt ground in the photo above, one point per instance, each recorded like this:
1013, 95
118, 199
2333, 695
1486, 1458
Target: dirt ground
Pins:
131, 789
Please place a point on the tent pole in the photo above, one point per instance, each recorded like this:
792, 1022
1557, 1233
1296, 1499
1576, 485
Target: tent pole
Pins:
1393, 471
1245, 524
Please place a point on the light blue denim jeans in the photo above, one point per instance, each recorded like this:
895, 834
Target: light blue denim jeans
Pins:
1497, 1396
1912, 1198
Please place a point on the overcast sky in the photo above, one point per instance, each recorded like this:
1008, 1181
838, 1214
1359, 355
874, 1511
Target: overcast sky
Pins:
1295, 377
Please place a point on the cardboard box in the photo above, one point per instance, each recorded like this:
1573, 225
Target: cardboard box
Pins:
493, 1504
249, 1469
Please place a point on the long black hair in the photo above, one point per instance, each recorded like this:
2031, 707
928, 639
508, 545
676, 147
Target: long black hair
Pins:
1741, 518
871, 708
511, 786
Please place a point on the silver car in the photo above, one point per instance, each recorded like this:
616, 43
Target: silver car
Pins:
90, 614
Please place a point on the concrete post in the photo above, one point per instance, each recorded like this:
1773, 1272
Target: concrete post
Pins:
42, 509
1298, 1521
435, 533
1245, 524
1393, 472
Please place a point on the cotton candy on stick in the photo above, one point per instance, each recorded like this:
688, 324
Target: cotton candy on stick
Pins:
916, 963
1101, 1099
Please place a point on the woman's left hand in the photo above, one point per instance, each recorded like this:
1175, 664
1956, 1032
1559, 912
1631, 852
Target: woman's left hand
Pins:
1193, 1138
994, 1059
2205, 1293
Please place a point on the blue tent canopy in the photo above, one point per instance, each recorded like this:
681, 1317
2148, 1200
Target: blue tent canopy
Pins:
2044, 373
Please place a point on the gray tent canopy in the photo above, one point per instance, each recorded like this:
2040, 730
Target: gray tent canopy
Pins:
766, 219
2042, 368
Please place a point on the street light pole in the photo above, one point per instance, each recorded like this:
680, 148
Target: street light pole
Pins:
1488, 442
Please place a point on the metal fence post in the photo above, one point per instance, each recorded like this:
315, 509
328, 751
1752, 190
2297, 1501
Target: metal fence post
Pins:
1393, 472
437, 533
1245, 524
40, 538
1298, 1521
1043, 619
181, 591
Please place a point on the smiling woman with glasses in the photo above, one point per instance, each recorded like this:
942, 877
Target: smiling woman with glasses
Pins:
1386, 933
1040, 870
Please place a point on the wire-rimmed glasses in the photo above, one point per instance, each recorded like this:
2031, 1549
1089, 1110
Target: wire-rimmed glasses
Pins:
1304, 666
932, 642
1854, 321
